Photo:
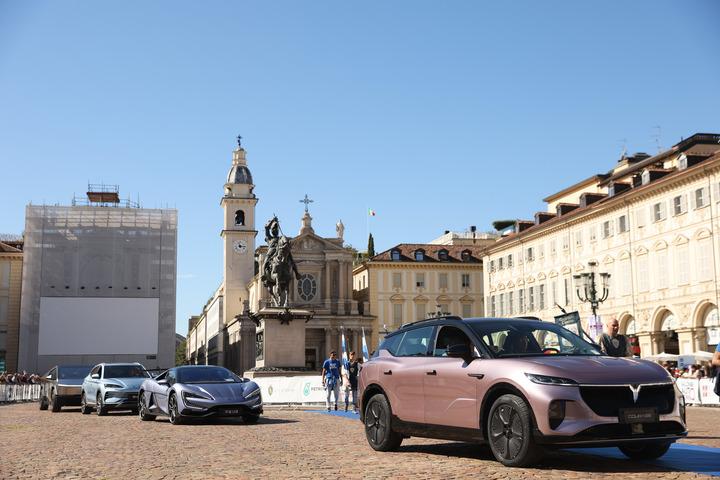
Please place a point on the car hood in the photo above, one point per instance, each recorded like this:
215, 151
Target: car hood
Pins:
596, 369
132, 383
223, 392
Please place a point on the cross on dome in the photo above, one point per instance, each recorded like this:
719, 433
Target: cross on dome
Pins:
306, 201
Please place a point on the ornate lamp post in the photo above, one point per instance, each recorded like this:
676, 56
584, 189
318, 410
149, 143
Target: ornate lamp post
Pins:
587, 288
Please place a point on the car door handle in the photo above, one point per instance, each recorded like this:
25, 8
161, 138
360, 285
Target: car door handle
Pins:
431, 372
476, 375
387, 372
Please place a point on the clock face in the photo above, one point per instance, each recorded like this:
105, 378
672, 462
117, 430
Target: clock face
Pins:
240, 246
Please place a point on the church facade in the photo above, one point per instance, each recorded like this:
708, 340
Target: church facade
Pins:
225, 333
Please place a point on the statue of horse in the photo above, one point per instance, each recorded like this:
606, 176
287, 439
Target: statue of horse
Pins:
280, 269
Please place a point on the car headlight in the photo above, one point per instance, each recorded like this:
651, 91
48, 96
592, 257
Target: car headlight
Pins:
197, 396
113, 385
548, 380
253, 393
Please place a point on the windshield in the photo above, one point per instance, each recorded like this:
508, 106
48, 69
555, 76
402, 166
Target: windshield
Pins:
206, 375
524, 339
74, 372
125, 371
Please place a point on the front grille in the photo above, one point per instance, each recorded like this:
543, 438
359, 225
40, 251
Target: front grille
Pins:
607, 401
623, 430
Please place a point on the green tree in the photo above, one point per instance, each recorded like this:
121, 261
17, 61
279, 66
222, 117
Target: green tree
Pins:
180, 353
371, 246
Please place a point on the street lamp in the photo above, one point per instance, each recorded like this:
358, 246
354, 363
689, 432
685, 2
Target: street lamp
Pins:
587, 290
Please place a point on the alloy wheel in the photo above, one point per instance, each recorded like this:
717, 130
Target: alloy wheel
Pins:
506, 431
99, 406
375, 423
173, 410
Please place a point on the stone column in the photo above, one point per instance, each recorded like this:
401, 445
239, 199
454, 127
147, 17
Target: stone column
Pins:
341, 281
328, 346
685, 340
700, 339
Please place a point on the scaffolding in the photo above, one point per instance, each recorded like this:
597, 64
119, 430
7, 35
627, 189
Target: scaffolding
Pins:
101, 195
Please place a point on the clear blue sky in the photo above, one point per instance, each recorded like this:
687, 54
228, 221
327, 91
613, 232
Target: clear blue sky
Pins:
438, 115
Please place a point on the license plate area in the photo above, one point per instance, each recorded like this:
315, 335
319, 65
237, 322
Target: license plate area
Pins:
231, 412
638, 415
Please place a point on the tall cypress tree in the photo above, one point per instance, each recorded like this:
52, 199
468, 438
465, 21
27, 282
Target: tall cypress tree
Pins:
371, 246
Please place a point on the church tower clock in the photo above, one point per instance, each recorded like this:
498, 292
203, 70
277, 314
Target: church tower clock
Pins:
238, 203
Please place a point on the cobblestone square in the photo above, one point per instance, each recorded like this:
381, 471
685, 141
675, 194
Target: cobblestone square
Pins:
284, 444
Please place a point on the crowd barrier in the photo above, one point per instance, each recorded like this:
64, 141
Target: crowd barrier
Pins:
698, 391
309, 389
20, 393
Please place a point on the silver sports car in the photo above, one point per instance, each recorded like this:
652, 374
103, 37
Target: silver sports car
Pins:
198, 391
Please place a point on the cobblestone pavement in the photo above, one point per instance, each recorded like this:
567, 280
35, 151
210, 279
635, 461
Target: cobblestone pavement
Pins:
284, 444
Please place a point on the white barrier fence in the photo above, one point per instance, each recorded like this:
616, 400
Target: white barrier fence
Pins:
309, 389
302, 389
698, 391
19, 393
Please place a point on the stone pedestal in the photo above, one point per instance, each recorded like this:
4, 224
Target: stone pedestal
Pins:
280, 340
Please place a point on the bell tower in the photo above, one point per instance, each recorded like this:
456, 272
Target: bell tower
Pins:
238, 234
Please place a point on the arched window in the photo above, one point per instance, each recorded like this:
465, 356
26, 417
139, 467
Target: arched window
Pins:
239, 217
395, 255
419, 255
467, 254
443, 255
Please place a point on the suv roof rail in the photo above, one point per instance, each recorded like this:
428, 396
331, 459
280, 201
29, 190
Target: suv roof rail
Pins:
446, 317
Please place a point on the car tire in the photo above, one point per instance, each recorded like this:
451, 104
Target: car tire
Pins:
510, 432
251, 419
43, 403
645, 450
173, 413
84, 407
55, 403
142, 409
100, 409
378, 425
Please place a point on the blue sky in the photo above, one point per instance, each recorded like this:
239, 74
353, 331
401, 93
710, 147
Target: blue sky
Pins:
438, 115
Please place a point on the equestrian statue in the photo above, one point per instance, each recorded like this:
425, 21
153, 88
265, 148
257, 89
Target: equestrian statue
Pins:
279, 265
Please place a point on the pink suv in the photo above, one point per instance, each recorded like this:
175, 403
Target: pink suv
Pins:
520, 385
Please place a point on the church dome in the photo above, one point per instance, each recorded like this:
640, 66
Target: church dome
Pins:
240, 174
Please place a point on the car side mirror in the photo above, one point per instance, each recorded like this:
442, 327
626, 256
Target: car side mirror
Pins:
49, 377
163, 382
460, 350
95, 376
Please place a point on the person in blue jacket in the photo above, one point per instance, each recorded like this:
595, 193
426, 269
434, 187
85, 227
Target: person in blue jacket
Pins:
331, 378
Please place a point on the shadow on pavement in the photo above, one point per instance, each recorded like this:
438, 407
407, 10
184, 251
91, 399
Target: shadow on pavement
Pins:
228, 421
613, 461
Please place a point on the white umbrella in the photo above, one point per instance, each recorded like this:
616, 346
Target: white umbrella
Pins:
662, 357
702, 356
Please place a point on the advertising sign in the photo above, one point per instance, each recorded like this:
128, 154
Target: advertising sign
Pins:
684, 361
302, 389
571, 321
690, 389
713, 335
707, 393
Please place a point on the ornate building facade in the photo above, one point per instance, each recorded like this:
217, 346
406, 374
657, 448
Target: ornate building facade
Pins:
651, 223
224, 333
411, 281
11, 264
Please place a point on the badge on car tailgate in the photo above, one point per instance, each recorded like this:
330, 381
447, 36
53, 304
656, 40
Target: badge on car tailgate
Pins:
638, 415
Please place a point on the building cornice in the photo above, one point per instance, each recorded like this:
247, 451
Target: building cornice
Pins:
665, 184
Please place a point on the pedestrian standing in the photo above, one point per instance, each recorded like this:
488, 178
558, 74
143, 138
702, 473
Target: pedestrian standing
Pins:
350, 372
612, 343
331, 378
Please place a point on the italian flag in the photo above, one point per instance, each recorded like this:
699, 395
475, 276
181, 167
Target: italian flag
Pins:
371, 212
